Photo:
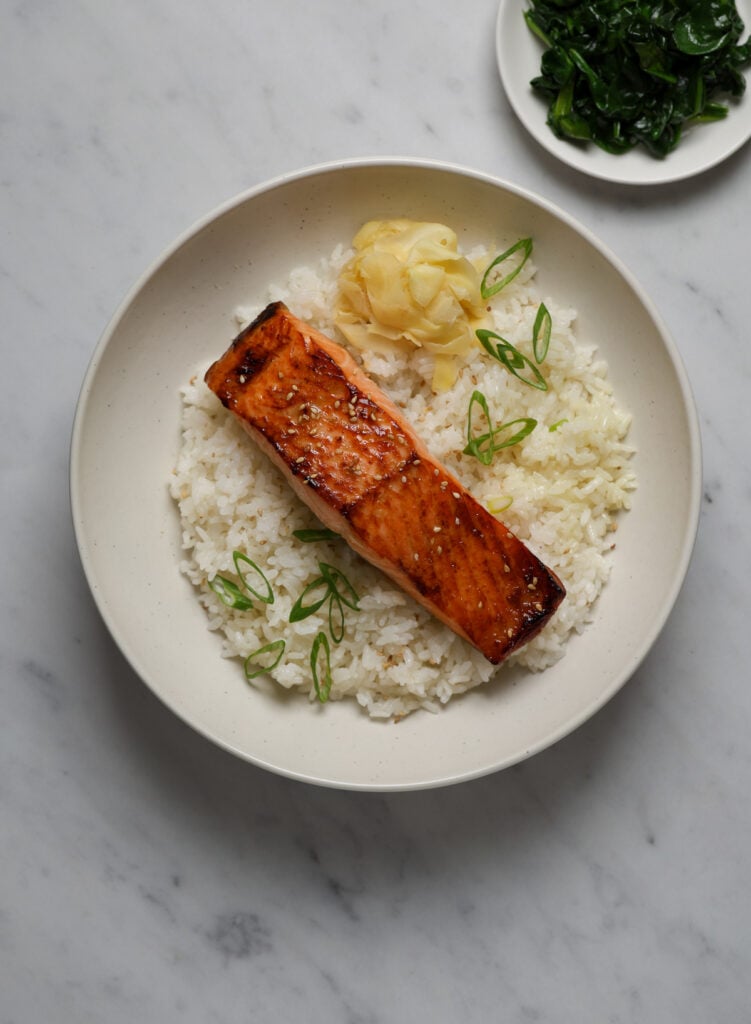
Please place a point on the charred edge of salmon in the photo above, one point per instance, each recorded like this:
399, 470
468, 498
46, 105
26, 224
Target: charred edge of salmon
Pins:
230, 376
240, 362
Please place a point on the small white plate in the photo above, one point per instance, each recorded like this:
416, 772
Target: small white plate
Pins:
126, 440
518, 53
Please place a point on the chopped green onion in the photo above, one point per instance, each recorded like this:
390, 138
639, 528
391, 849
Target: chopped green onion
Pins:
541, 332
230, 594
473, 443
309, 536
496, 505
300, 610
528, 425
558, 423
252, 670
322, 691
331, 574
336, 621
484, 446
338, 592
511, 358
240, 559
489, 289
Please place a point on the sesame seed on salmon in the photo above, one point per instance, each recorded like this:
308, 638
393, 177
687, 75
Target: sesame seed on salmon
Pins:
350, 455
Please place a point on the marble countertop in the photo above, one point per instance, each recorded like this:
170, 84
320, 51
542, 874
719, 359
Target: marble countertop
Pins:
145, 875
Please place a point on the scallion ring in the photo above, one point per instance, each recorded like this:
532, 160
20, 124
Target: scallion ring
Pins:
230, 594
332, 575
558, 423
241, 560
310, 536
474, 443
498, 505
511, 358
336, 617
528, 424
322, 690
543, 325
252, 669
487, 290
338, 592
301, 610
484, 446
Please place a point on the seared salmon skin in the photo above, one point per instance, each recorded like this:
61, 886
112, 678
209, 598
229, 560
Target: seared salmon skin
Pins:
348, 452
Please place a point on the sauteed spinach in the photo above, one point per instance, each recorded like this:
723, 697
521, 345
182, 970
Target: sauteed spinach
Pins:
621, 73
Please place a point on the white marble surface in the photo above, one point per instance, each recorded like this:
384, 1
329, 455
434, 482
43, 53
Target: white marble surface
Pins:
147, 876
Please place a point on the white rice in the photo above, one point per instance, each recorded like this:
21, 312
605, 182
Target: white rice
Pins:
565, 489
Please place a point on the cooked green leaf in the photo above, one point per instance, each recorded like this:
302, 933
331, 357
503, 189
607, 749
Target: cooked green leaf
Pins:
624, 73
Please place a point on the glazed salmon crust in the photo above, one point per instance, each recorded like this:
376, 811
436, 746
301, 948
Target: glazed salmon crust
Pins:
349, 454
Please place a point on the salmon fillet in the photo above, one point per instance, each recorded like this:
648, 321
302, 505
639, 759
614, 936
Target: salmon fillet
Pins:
349, 454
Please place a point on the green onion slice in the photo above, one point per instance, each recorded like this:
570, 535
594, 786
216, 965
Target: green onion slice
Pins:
541, 332
230, 594
323, 689
527, 426
474, 444
310, 536
241, 560
511, 358
332, 575
496, 505
251, 666
301, 610
484, 446
558, 423
338, 592
487, 288
336, 618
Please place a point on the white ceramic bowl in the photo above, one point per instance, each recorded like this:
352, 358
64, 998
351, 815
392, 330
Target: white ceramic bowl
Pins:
126, 437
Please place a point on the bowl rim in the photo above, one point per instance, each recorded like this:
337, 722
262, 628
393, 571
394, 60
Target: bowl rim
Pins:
343, 166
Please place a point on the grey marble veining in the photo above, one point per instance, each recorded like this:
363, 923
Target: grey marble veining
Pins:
146, 875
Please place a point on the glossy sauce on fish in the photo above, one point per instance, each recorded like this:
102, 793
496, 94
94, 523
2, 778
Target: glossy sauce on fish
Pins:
349, 453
